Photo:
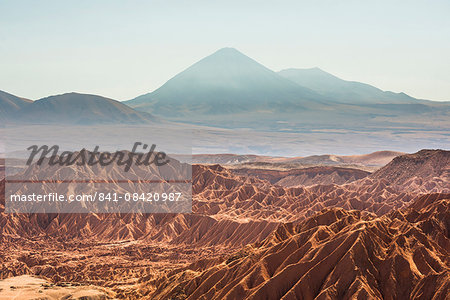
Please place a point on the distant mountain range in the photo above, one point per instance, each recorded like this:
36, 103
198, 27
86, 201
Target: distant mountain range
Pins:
230, 90
336, 89
70, 108
226, 82
230, 82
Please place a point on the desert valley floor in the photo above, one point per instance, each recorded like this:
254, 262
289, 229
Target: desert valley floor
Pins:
259, 230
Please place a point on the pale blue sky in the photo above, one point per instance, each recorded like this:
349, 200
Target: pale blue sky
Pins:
122, 49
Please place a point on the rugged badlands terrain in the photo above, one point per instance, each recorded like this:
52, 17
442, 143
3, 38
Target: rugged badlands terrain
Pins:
317, 233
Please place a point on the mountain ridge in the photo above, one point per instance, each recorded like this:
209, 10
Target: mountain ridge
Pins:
77, 108
223, 82
10, 103
228, 89
339, 89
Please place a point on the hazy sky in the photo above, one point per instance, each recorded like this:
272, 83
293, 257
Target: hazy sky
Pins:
121, 49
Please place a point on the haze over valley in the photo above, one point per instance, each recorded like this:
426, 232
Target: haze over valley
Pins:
227, 97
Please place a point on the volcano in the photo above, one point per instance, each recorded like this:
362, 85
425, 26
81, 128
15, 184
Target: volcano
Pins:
226, 82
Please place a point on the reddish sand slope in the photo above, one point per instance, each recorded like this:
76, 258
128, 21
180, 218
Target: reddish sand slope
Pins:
336, 254
335, 240
375, 160
29, 287
424, 171
306, 176
238, 210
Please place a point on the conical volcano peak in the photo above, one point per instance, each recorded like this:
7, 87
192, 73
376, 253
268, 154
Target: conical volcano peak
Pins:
225, 82
227, 57
228, 51
228, 81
